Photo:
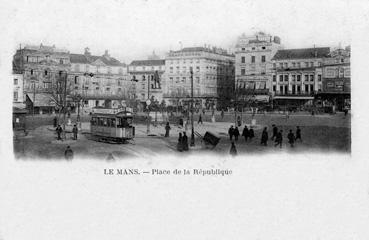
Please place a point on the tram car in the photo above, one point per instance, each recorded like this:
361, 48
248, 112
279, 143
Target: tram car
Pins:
112, 124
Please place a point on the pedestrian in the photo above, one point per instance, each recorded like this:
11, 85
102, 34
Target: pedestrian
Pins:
236, 133
200, 119
59, 130
203, 111
230, 132
264, 137
291, 138
298, 134
75, 132
275, 132
185, 142
245, 133
68, 154
55, 122
167, 129
180, 143
222, 114
233, 150
279, 139
251, 133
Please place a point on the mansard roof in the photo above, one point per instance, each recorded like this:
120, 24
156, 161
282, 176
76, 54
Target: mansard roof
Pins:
302, 53
148, 62
88, 59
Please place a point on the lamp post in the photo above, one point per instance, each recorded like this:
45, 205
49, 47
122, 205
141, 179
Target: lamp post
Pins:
192, 130
148, 102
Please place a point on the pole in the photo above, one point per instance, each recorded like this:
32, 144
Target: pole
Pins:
65, 102
192, 130
148, 110
235, 105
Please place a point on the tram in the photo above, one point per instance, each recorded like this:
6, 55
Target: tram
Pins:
112, 124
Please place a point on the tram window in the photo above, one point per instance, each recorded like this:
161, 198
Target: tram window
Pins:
105, 122
109, 122
129, 121
113, 122
119, 122
101, 122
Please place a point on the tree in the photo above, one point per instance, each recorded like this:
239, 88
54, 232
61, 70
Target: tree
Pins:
59, 93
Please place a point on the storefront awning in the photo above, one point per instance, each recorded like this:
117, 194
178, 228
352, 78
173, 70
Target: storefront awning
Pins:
41, 99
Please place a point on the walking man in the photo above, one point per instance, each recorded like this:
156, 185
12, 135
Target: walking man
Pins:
291, 138
279, 139
251, 133
264, 137
222, 114
230, 132
236, 133
59, 130
185, 141
245, 133
68, 154
180, 143
298, 134
167, 129
75, 132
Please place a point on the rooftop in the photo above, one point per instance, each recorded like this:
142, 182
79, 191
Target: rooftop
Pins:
148, 62
88, 59
302, 53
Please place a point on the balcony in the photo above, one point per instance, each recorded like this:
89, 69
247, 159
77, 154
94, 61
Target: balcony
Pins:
296, 94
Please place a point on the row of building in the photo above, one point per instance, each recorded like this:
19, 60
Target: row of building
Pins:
260, 71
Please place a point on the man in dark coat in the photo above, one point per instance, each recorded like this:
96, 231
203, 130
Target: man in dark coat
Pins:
59, 130
291, 138
233, 150
75, 132
236, 133
231, 132
279, 139
264, 137
245, 133
185, 141
222, 114
180, 143
275, 132
298, 134
167, 129
251, 133
68, 154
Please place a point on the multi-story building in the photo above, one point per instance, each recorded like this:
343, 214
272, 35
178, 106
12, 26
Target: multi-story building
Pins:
337, 79
297, 75
42, 69
148, 77
253, 66
213, 77
18, 96
99, 80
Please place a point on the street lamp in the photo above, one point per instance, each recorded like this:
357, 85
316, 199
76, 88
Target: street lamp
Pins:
148, 102
192, 130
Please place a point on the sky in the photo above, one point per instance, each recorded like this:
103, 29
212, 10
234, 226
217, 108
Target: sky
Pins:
133, 29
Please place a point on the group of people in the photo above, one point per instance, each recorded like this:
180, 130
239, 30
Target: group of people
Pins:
59, 130
182, 144
247, 133
277, 136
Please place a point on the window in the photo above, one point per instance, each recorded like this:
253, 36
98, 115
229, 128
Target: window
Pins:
311, 64
319, 77
76, 87
243, 59
197, 69
298, 65
281, 89
177, 69
198, 80
306, 64
243, 49
306, 88
15, 81
243, 71
293, 64
97, 88
45, 73
183, 79
274, 88
274, 65
253, 59
306, 77
298, 78
108, 89
311, 88
274, 78
285, 89
253, 48
171, 69
281, 65
46, 85
293, 78
298, 89
15, 96
31, 71
285, 65
286, 78
311, 78
281, 78
262, 47
75, 79
263, 58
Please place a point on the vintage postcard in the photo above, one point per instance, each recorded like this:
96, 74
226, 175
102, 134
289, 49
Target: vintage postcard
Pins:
186, 97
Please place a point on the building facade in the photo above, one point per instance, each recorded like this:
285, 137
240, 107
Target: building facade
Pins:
148, 76
43, 69
253, 66
297, 76
99, 81
336, 89
213, 77
18, 96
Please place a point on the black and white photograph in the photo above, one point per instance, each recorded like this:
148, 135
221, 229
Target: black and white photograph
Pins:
252, 112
